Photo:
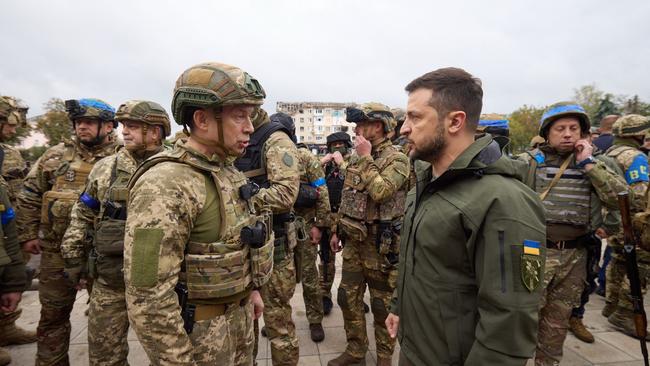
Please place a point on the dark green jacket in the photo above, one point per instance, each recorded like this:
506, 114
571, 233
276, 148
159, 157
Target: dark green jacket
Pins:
460, 295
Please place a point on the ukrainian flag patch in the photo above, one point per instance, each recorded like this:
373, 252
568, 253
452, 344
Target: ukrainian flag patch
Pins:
531, 247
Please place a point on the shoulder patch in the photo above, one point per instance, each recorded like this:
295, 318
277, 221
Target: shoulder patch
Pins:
287, 159
144, 257
531, 265
638, 170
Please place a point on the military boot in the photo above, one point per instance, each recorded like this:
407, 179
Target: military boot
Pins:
317, 332
15, 335
608, 309
623, 320
263, 332
5, 358
327, 305
345, 359
384, 361
366, 308
578, 329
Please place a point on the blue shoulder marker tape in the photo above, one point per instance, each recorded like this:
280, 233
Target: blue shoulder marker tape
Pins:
89, 201
638, 170
318, 182
8, 215
540, 158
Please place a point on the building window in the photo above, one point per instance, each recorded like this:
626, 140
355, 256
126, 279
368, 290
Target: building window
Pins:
302, 129
302, 120
318, 138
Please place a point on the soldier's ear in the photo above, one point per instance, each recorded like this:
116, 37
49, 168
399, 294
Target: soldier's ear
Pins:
200, 119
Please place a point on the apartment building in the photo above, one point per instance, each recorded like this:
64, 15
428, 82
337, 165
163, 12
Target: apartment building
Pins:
315, 120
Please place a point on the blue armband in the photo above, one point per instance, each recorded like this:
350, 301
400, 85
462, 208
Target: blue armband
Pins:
8, 215
318, 182
638, 170
540, 158
89, 201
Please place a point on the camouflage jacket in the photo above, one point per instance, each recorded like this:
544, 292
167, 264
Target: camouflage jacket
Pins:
14, 170
12, 267
83, 218
313, 174
43, 175
166, 216
283, 172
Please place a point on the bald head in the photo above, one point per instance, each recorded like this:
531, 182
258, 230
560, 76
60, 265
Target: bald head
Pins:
607, 122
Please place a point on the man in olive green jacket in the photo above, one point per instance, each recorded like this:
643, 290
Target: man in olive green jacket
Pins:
472, 252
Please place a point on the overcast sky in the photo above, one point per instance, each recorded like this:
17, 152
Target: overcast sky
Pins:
525, 52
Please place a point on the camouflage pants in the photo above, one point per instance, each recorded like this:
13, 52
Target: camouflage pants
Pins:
8, 320
327, 279
108, 325
277, 313
564, 280
363, 265
311, 292
225, 340
57, 299
621, 291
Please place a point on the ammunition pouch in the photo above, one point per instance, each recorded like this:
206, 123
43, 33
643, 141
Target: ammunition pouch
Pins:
55, 212
261, 253
354, 204
307, 196
109, 237
353, 229
216, 270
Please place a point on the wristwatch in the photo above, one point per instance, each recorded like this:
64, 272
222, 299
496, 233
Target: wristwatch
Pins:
588, 160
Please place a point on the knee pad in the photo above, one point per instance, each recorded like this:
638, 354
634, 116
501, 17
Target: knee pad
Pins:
342, 299
378, 310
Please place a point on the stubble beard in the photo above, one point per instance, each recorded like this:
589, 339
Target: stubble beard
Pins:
432, 151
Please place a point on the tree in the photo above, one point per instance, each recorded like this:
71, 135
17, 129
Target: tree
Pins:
636, 106
589, 97
524, 124
33, 153
55, 124
605, 108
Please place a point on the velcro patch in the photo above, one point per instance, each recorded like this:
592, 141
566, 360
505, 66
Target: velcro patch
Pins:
145, 253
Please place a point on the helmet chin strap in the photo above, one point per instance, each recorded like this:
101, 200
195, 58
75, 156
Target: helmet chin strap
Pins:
220, 148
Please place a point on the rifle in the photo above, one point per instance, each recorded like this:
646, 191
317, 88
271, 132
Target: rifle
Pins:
629, 251
325, 252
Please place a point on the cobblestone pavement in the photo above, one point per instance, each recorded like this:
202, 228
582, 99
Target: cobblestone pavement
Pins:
610, 348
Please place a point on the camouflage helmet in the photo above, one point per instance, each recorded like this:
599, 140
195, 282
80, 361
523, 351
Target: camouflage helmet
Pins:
400, 115
90, 108
12, 111
563, 109
536, 141
146, 112
372, 112
213, 84
259, 118
631, 125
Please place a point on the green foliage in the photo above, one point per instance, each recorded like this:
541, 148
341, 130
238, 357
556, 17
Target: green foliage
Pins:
605, 108
589, 97
524, 124
55, 124
33, 153
635, 106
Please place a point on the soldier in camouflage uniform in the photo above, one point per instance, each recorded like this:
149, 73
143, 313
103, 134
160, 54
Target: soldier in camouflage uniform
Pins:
271, 161
192, 234
312, 218
570, 182
339, 146
51, 188
369, 219
629, 133
97, 228
12, 267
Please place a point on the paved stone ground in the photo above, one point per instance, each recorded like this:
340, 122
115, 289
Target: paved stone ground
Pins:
610, 348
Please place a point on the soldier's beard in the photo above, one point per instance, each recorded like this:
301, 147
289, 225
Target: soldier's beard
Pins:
432, 151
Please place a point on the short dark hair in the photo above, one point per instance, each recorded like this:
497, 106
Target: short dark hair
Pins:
453, 89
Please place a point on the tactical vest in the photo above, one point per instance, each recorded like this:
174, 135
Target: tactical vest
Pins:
223, 270
110, 226
358, 209
251, 162
569, 201
69, 182
334, 179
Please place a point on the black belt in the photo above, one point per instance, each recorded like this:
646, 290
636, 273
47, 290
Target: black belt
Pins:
563, 244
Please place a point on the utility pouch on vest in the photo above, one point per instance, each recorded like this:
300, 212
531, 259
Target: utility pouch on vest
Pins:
109, 237
217, 275
384, 239
353, 229
393, 207
109, 270
55, 212
262, 262
354, 204
307, 196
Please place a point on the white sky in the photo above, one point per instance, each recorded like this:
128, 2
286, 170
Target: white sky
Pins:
526, 52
